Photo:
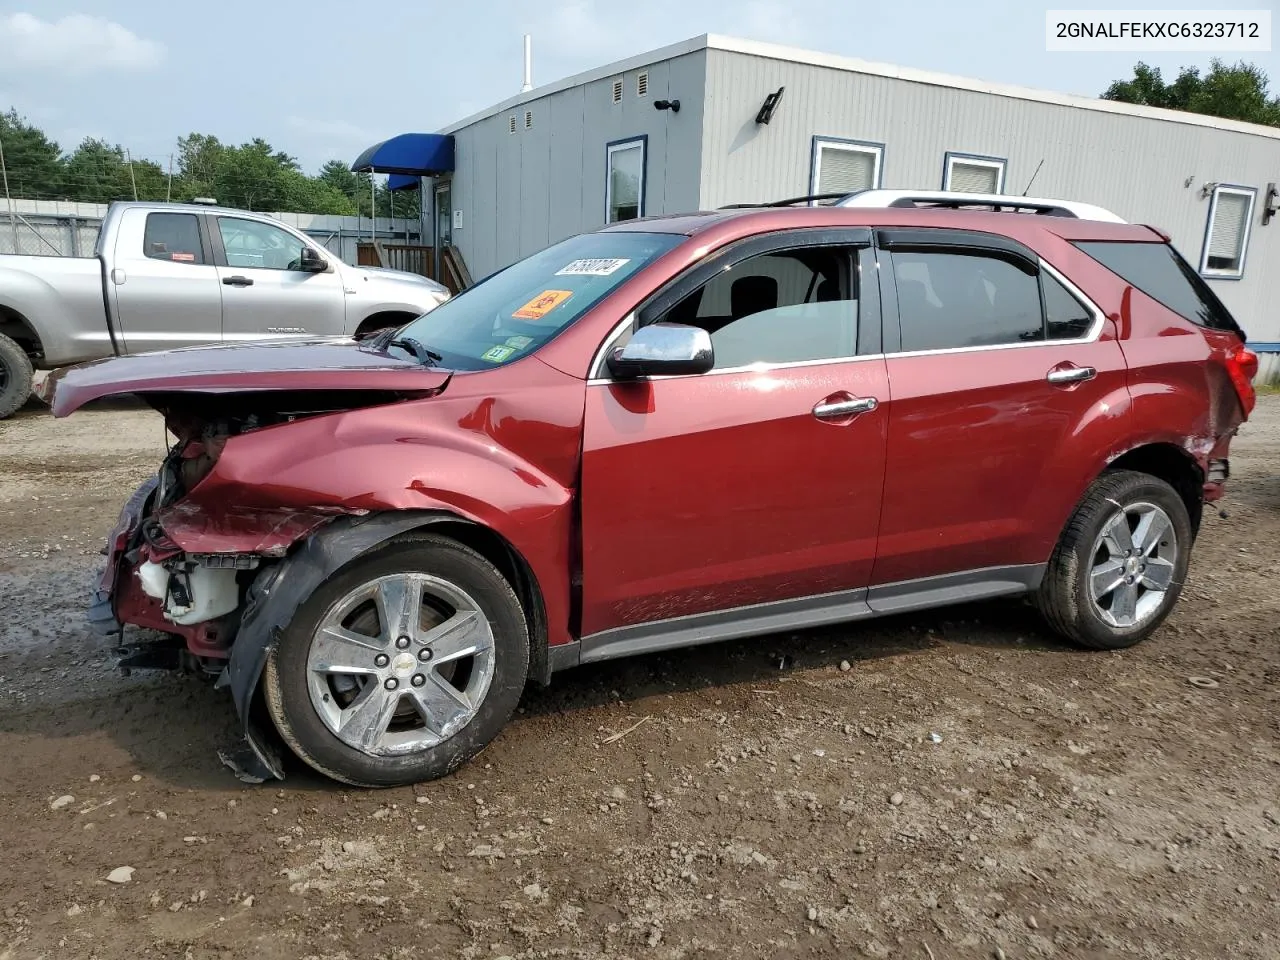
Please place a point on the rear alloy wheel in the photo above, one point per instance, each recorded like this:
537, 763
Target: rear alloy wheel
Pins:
1119, 568
401, 667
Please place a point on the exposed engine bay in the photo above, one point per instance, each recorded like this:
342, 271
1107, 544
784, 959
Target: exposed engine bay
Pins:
152, 580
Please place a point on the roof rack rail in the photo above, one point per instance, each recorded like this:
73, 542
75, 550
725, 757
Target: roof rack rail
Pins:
789, 202
998, 203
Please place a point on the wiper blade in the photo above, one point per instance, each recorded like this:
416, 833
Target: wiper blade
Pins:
421, 352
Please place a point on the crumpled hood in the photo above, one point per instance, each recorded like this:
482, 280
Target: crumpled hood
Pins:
320, 364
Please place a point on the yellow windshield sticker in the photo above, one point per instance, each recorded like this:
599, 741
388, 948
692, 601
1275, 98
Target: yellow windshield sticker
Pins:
497, 354
542, 304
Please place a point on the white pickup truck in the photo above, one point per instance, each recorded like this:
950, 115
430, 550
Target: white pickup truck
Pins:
168, 275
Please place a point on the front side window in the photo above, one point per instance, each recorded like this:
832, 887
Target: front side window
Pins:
950, 300
969, 174
174, 237
515, 311
624, 180
785, 307
844, 166
249, 243
1227, 238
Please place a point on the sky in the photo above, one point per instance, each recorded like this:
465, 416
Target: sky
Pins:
323, 79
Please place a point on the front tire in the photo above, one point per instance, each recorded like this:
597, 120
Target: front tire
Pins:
16, 374
1119, 567
401, 667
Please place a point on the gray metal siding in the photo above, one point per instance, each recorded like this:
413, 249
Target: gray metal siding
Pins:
1135, 166
520, 192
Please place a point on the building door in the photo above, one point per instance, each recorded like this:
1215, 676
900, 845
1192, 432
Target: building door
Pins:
443, 235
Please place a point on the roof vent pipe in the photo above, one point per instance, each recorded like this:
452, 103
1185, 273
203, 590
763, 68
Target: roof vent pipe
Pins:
528, 64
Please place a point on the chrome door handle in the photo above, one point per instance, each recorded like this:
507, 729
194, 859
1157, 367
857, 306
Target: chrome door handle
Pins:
1071, 375
845, 408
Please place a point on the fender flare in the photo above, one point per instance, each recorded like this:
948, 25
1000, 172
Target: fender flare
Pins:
273, 600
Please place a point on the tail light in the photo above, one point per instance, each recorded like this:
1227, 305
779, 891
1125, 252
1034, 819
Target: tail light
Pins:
1242, 367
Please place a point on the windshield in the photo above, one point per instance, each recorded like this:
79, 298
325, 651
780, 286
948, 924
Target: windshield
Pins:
515, 311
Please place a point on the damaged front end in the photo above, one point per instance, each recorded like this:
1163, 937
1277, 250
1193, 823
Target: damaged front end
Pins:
181, 569
197, 568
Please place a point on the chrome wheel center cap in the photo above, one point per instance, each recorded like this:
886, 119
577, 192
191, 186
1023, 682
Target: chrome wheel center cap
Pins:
403, 664
1132, 566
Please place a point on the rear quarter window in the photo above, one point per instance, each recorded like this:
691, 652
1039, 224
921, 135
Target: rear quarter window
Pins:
1158, 271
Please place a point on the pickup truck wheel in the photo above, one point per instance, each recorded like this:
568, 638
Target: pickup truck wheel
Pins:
400, 667
15, 377
1118, 569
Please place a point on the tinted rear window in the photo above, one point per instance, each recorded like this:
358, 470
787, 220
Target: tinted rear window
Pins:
1158, 271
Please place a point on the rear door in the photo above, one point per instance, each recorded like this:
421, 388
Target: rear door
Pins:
756, 482
163, 284
997, 366
265, 294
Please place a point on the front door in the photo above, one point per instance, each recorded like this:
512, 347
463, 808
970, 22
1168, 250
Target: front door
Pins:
999, 371
758, 481
443, 219
265, 296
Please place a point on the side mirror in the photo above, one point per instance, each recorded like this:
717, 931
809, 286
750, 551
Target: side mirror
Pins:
312, 262
662, 349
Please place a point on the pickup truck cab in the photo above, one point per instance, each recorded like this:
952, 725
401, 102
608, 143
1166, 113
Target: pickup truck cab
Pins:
167, 275
670, 432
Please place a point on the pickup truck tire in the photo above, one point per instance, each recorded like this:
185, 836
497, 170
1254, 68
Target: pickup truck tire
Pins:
1119, 567
15, 377
402, 666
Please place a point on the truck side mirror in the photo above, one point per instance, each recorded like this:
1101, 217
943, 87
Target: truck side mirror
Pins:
312, 262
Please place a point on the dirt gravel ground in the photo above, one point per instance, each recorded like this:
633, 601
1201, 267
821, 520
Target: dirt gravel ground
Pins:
950, 785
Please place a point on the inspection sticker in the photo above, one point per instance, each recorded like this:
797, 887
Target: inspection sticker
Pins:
599, 267
542, 304
497, 354
519, 342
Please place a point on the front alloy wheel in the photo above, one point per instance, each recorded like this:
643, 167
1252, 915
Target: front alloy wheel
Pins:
400, 664
401, 667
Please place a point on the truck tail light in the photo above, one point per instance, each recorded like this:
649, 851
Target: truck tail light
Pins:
1242, 367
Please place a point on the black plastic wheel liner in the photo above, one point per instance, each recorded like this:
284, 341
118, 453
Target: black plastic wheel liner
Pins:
272, 602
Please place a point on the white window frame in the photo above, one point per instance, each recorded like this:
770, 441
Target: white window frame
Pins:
1238, 190
999, 164
850, 146
618, 146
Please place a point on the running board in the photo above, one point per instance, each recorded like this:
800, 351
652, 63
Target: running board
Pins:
797, 614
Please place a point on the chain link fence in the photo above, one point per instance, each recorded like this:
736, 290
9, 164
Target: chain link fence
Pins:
44, 236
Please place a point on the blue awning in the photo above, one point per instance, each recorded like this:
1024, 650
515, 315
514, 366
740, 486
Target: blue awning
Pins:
410, 154
402, 181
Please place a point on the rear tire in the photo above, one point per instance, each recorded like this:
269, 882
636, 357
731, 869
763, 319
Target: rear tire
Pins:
1118, 569
401, 667
16, 374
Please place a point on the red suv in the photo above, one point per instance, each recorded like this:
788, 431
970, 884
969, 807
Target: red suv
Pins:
671, 432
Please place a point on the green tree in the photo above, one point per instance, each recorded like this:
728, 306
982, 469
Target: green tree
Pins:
1235, 91
32, 161
98, 172
200, 157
